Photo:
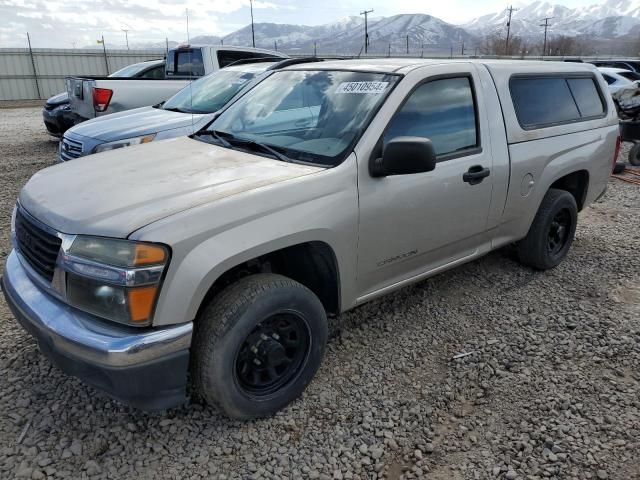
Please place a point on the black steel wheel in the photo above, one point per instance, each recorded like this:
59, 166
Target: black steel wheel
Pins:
272, 354
257, 345
559, 232
551, 233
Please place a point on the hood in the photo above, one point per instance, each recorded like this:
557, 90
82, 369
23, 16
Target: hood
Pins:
58, 99
117, 192
135, 123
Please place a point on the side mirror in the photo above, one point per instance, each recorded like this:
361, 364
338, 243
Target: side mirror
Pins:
404, 156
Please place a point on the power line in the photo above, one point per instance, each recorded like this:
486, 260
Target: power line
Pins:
366, 31
546, 26
510, 10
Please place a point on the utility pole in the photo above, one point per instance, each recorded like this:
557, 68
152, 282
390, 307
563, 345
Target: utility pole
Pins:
33, 64
462, 51
366, 31
389, 54
315, 49
126, 36
253, 34
422, 51
451, 54
510, 10
407, 44
546, 26
275, 45
104, 51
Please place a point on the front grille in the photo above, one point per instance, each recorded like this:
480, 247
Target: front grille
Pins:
39, 247
69, 149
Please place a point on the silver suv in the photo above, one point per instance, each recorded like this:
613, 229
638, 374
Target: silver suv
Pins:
217, 257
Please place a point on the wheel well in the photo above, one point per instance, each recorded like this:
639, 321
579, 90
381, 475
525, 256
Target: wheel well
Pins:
576, 183
313, 264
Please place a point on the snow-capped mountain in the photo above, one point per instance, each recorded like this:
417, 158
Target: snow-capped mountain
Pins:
346, 36
611, 19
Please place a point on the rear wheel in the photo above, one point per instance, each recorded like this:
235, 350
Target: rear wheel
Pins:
258, 345
634, 155
551, 233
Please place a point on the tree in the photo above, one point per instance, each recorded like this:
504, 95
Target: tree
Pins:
496, 44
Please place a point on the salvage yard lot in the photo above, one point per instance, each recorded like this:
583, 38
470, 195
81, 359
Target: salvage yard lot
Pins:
550, 388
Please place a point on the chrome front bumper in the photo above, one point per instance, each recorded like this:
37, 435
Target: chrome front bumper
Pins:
145, 368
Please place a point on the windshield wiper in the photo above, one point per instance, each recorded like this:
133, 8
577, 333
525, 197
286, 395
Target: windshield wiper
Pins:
269, 149
228, 140
218, 136
175, 109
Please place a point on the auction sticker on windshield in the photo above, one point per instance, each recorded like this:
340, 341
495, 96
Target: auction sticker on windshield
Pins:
362, 87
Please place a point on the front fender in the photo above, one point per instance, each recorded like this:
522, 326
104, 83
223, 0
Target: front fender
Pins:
209, 240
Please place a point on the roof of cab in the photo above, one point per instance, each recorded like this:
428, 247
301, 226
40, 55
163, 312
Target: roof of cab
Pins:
405, 65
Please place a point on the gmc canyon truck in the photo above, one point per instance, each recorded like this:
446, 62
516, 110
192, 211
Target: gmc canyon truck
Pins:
218, 257
92, 97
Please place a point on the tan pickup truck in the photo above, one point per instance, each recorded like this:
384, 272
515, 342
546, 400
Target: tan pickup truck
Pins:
216, 258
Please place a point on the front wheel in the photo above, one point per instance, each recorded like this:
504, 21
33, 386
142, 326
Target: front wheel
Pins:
258, 345
551, 233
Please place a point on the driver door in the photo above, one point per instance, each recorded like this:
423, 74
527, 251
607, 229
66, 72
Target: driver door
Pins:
414, 224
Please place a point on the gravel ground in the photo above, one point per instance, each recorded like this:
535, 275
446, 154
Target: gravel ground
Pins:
550, 388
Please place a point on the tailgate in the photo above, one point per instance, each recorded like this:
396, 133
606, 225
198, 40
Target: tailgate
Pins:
81, 96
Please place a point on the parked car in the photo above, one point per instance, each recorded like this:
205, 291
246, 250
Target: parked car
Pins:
183, 114
93, 96
618, 78
226, 250
633, 65
57, 114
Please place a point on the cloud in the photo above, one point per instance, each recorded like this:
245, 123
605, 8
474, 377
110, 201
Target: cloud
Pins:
78, 21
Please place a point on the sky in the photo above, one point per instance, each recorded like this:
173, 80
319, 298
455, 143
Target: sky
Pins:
79, 23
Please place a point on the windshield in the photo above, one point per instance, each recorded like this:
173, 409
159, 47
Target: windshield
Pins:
130, 70
633, 76
310, 116
209, 94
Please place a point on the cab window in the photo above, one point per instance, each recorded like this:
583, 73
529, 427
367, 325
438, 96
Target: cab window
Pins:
185, 63
443, 111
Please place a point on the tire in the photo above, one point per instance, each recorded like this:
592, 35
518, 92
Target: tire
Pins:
618, 168
270, 313
634, 155
546, 244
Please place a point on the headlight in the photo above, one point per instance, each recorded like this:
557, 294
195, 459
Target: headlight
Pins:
115, 279
127, 142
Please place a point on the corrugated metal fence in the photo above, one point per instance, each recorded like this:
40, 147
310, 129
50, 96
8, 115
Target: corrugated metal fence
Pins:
18, 81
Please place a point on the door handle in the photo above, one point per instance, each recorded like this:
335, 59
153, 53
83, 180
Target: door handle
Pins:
476, 174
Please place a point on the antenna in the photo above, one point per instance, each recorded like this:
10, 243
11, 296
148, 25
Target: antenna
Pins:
510, 10
190, 72
366, 31
253, 34
546, 26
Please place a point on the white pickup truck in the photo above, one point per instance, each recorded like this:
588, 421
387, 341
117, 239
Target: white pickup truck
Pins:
92, 97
